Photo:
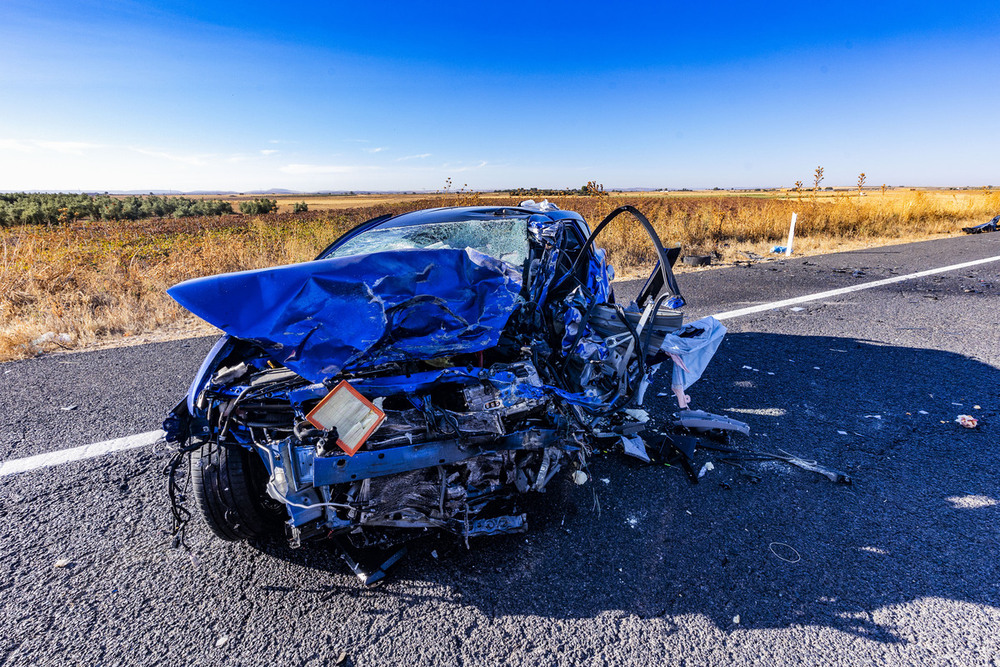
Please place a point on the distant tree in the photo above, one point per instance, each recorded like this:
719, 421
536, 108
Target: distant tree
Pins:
300, 207
258, 206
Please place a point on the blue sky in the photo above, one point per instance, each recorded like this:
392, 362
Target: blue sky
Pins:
122, 95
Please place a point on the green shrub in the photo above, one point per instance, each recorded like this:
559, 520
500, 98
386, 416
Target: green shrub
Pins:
258, 206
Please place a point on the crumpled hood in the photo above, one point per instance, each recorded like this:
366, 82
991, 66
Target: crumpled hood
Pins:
320, 317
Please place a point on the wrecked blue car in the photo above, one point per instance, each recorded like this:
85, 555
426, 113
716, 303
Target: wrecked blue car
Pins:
426, 371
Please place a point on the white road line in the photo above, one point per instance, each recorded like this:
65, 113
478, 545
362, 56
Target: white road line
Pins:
15, 466
760, 308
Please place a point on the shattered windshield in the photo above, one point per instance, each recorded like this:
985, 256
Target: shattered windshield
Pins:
505, 238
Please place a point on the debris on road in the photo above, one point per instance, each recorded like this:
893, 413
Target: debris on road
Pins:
63, 562
752, 256
990, 226
812, 466
789, 555
699, 420
968, 421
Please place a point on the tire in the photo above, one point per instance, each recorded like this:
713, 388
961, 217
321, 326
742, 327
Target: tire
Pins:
229, 487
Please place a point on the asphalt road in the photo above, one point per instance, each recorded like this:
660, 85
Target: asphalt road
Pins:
900, 568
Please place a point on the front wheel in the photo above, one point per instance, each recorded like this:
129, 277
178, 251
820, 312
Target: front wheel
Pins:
230, 489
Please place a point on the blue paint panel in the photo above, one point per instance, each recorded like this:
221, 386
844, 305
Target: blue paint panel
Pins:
319, 317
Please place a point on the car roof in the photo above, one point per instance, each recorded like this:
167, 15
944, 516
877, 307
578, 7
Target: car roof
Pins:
460, 213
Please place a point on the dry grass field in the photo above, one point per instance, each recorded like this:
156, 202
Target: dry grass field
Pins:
90, 283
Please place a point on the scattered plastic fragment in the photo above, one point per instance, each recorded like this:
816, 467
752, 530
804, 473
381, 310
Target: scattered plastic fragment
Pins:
63, 562
923, 412
635, 413
812, 466
708, 467
976, 407
605, 480
635, 446
842, 432
579, 477
958, 404
221, 641
968, 421
796, 309
195, 561
873, 416
434, 553
779, 250
736, 619
816, 368
67, 408
701, 420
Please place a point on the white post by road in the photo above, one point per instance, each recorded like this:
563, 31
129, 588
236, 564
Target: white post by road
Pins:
791, 235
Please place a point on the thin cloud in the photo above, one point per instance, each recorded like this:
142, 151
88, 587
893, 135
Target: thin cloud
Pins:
306, 169
413, 157
269, 151
481, 164
376, 150
33, 146
196, 160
